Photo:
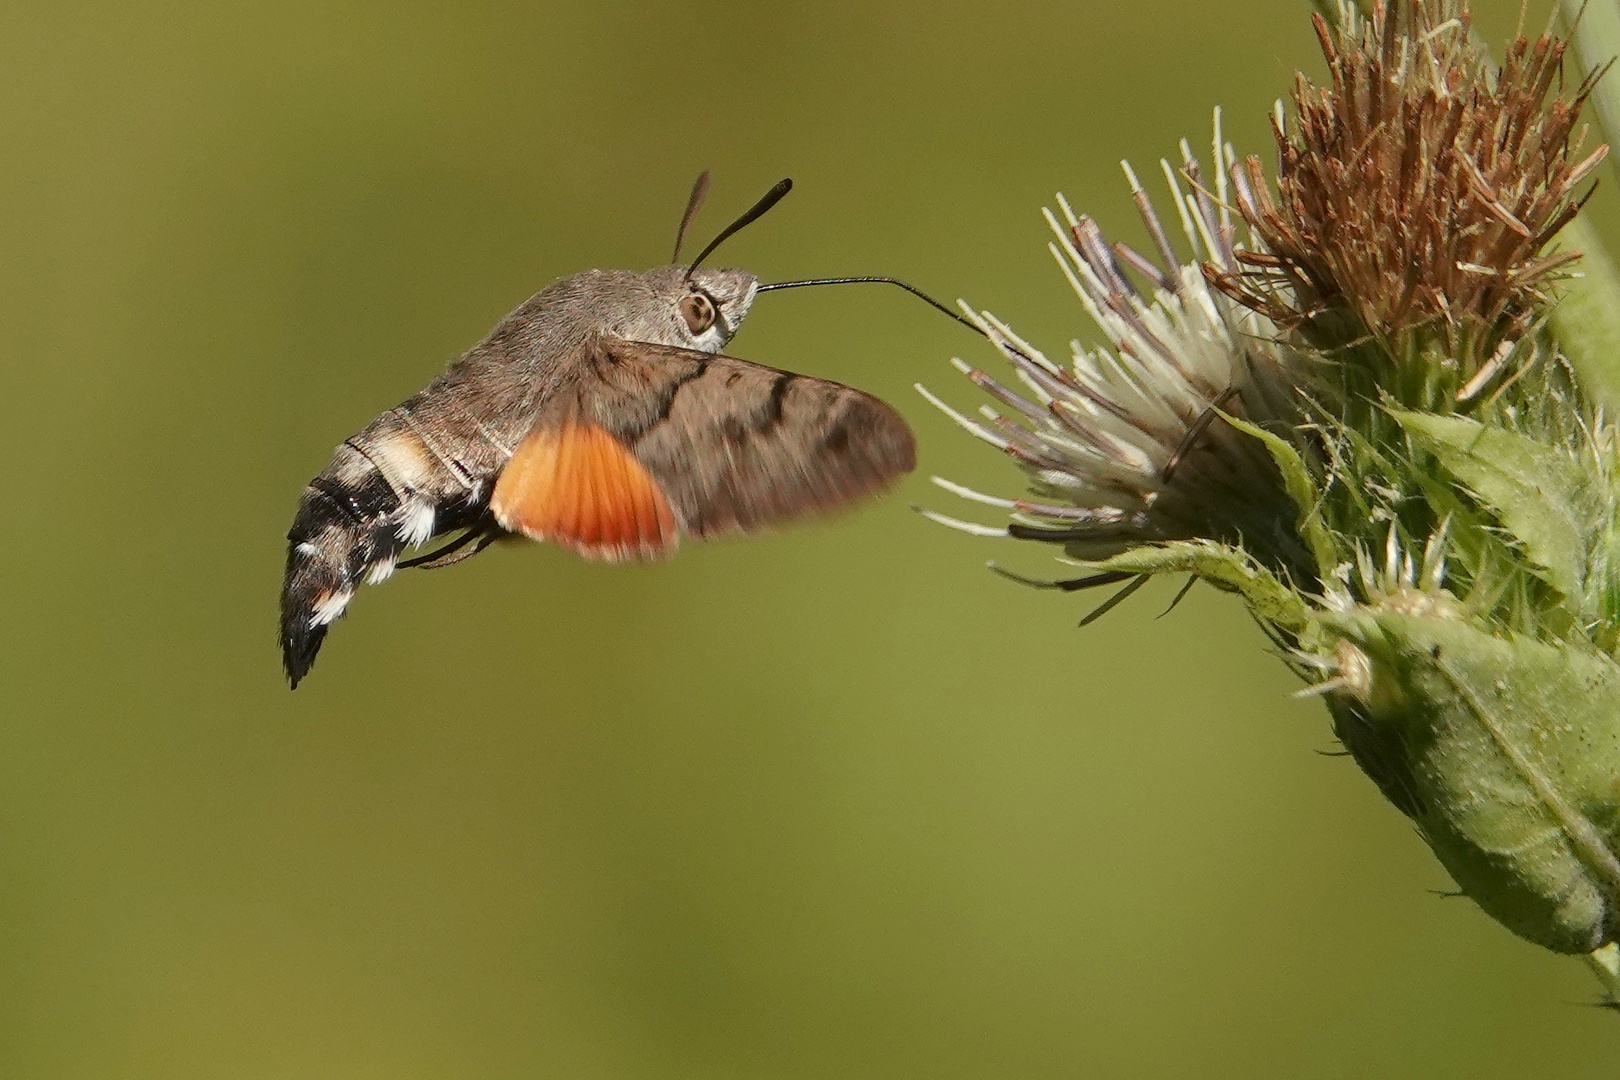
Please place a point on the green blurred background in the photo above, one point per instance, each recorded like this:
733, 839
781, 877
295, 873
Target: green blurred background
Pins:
833, 803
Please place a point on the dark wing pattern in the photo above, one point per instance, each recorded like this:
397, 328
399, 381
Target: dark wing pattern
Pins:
737, 446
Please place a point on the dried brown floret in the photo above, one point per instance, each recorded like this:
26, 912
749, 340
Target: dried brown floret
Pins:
1418, 190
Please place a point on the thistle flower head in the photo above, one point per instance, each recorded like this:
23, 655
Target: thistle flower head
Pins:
1275, 395
1417, 191
1127, 444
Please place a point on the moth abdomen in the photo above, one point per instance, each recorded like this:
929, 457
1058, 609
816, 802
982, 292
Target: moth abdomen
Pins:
378, 496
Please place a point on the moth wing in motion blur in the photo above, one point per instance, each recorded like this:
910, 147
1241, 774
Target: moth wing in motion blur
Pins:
724, 445
643, 443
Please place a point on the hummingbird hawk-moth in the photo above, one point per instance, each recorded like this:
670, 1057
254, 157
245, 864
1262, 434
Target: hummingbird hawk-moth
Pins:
600, 416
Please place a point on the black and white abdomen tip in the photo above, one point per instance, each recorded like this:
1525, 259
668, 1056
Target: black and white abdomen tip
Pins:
351, 526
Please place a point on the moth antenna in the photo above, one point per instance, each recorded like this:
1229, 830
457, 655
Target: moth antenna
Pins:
693, 202
768, 200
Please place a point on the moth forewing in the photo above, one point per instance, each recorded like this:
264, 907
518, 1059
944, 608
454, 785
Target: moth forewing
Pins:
741, 446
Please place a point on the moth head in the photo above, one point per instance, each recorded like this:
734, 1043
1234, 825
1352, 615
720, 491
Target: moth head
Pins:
666, 306
713, 305
710, 304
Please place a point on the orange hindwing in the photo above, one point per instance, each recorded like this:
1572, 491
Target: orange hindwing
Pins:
579, 487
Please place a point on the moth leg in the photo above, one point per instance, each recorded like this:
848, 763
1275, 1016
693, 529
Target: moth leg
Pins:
485, 532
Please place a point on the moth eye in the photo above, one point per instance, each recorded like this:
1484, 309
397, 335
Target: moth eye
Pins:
698, 312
